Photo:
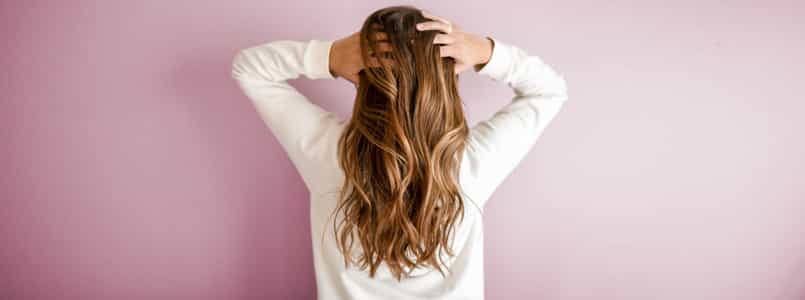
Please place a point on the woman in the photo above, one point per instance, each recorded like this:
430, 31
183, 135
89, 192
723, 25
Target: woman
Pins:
397, 190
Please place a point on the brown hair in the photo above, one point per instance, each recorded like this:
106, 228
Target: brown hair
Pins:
401, 151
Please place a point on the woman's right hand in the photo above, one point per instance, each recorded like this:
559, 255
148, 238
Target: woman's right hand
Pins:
469, 50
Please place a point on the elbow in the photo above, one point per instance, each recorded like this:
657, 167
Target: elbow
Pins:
561, 88
553, 88
239, 63
556, 84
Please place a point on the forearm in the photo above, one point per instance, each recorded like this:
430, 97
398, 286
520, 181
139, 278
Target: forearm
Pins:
282, 60
528, 75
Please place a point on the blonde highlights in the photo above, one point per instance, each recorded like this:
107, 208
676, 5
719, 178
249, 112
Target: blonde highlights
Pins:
401, 151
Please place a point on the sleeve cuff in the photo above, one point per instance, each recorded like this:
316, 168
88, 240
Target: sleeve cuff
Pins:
498, 63
317, 59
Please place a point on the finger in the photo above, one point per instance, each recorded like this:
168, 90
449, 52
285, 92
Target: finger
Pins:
435, 17
374, 62
443, 39
434, 25
382, 47
381, 36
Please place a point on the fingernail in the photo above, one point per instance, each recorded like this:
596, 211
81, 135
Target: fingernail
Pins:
419, 26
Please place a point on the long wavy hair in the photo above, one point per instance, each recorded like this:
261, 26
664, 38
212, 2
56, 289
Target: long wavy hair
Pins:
401, 151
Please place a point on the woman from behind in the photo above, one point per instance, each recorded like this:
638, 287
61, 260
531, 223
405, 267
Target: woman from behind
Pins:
397, 190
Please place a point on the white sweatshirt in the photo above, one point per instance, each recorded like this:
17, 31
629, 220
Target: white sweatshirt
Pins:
309, 135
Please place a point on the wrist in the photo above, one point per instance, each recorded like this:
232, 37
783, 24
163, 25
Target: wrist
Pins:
333, 59
487, 47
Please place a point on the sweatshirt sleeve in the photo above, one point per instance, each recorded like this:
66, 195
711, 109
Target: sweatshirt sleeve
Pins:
299, 125
499, 143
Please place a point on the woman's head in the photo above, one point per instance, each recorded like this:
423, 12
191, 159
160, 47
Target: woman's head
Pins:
390, 33
401, 150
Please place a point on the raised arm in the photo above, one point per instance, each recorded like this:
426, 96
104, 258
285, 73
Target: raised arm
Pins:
500, 142
299, 125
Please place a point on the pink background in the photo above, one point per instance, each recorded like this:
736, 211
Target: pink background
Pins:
132, 167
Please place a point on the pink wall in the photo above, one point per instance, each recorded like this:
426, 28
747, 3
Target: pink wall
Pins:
132, 167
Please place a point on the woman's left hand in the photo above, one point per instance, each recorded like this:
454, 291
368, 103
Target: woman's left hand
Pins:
345, 56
